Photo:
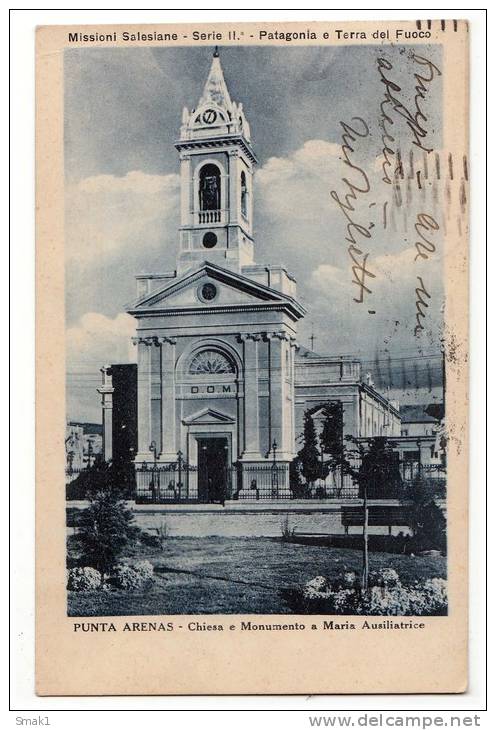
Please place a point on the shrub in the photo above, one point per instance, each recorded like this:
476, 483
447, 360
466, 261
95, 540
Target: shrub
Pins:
317, 588
286, 531
126, 578
384, 578
83, 579
350, 579
435, 592
102, 476
106, 530
132, 577
163, 532
428, 522
385, 597
429, 527
144, 568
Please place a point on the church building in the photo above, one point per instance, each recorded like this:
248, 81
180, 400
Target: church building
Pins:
220, 375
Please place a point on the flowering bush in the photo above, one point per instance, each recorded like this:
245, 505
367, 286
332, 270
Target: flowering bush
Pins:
350, 578
386, 596
388, 578
318, 587
144, 568
345, 601
132, 577
434, 596
83, 579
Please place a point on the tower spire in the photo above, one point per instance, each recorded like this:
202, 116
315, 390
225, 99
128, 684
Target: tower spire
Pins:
215, 89
217, 164
215, 111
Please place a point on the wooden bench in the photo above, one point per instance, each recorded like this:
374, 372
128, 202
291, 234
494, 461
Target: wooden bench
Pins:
379, 516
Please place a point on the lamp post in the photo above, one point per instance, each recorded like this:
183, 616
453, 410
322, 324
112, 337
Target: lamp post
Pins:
153, 483
180, 464
365, 573
322, 469
274, 484
226, 487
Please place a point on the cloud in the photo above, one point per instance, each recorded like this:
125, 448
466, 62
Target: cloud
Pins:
326, 275
108, 215
95, 340
298, 186
98, 340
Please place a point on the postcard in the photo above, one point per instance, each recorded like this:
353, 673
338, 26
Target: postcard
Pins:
252, 356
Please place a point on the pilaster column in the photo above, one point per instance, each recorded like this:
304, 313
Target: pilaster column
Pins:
278, 427
292, 356
232, 202
144, 345
168, 398
187, 191
252, 420
106, 391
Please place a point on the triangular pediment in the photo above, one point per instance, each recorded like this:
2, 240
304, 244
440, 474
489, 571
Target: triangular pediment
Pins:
207, 416
224, 289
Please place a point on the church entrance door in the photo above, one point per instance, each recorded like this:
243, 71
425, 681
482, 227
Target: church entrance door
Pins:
212, 469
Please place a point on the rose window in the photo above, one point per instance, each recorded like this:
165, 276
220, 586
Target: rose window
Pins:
210, 362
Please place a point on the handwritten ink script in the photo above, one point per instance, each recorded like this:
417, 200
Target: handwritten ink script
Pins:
421, 304
416, 119
346, 202
404, 125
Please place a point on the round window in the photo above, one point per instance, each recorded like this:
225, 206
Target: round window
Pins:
209, 239
208, 292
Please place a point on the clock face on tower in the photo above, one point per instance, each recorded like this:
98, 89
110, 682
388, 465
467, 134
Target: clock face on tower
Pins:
209, 116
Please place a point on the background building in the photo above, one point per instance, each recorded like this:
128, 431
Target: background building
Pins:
83, 446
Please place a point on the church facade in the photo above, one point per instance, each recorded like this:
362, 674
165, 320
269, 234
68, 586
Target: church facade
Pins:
220, 375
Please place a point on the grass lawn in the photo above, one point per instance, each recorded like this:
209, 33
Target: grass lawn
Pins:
235, 575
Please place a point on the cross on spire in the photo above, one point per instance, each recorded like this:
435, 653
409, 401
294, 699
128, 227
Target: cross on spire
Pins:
312, 338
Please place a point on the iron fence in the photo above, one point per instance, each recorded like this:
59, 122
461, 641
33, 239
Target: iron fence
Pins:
335, 485
172, 482
412, 471
181, 482
263, 481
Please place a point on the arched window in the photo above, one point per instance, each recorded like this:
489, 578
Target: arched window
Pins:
244, 196
208, 362
209, 188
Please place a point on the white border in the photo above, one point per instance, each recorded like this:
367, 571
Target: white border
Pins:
23, 23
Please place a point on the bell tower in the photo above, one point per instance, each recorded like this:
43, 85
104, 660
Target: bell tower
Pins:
217, 164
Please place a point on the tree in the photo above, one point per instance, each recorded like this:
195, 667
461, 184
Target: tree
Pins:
428, 522
309, 455
378, 474
373, 466
103, 475
379, 470
331, 440
106, 531
331, 437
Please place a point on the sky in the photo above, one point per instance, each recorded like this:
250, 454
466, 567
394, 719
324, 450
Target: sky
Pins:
122, 115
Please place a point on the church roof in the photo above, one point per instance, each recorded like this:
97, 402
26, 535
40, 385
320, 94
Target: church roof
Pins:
215, 89
178, 295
